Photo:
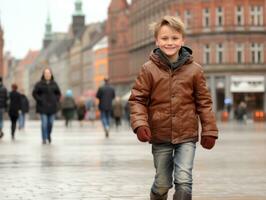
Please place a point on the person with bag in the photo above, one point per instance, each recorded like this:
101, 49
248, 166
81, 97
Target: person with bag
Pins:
167, 100
47, 96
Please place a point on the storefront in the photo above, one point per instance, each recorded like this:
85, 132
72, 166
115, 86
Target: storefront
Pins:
248, 89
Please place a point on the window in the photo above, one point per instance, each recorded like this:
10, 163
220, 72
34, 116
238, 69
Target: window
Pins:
206, 18
240, 53
206, 56
219, 16
219, 53
256, 15
257, 53
239, 20
187, 19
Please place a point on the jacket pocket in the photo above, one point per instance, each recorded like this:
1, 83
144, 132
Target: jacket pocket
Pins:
190, 122
154, 119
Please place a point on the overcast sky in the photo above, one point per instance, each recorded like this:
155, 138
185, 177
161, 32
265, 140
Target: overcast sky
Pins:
23, 21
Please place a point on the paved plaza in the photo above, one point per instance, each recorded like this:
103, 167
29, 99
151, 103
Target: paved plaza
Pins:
81, 164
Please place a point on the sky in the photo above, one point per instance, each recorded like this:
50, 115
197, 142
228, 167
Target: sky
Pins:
24, 21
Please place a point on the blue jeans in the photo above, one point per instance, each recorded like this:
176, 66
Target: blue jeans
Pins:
47, 125
173, 159
105, 118
2, 110
21, 120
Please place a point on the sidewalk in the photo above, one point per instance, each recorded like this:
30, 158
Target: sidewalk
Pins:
82, 164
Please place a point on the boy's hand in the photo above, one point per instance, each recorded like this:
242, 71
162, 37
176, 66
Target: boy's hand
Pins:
144, 134
207, 142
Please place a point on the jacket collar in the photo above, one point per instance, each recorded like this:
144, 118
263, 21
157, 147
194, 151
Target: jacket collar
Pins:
161, 60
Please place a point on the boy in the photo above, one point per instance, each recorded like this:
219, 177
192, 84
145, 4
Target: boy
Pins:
168, 97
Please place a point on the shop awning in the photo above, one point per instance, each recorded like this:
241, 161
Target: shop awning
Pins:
247, 84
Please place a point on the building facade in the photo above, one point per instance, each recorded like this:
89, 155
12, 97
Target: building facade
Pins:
100, 54
118, 41
228, 38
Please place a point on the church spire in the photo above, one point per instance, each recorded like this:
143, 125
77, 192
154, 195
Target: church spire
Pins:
78, 18
78, 8
48, 28
48, 32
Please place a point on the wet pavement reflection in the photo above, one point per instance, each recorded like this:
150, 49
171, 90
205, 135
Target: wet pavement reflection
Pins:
82, 164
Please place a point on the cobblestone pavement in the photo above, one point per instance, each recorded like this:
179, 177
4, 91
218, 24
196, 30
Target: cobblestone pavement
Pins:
81, 164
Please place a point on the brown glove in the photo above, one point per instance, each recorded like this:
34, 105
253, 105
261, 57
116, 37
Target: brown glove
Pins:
144, 134
207, 142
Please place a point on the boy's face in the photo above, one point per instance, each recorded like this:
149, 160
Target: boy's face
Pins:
169, 41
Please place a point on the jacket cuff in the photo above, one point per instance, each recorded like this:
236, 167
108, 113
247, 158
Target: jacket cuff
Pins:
137, 124
210, 133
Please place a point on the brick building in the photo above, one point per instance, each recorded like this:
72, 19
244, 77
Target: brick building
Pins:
228, 38
118, 41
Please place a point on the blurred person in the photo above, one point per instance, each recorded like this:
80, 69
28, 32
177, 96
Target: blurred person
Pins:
3, 105
167, 100
127, 112
105, 94
47, 95
14, 108
68, 107
91, 110
24, 110
117, 111
241, 112
81, 110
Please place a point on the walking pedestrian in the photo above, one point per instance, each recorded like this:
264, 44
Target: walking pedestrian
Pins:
127, 113
242, 112
24, 110
14, 108
168, 97
3, 105
105, 94
81, 110
91, 110
68, 107
117, 111
47, 95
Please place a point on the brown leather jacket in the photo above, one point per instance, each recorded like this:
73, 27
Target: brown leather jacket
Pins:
171, 102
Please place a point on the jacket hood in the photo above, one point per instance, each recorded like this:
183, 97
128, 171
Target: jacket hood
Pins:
160, 59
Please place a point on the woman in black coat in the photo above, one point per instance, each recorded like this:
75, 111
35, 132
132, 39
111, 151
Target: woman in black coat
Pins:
14, 108
47, 95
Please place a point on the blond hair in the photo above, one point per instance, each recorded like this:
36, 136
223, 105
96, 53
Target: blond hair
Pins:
171, 21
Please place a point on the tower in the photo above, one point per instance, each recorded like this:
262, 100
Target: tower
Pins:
48, 33
78, 18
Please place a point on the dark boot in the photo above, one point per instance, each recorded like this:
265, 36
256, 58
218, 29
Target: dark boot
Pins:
49, 139
182, 195
106, 130
1, 134
154, 196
